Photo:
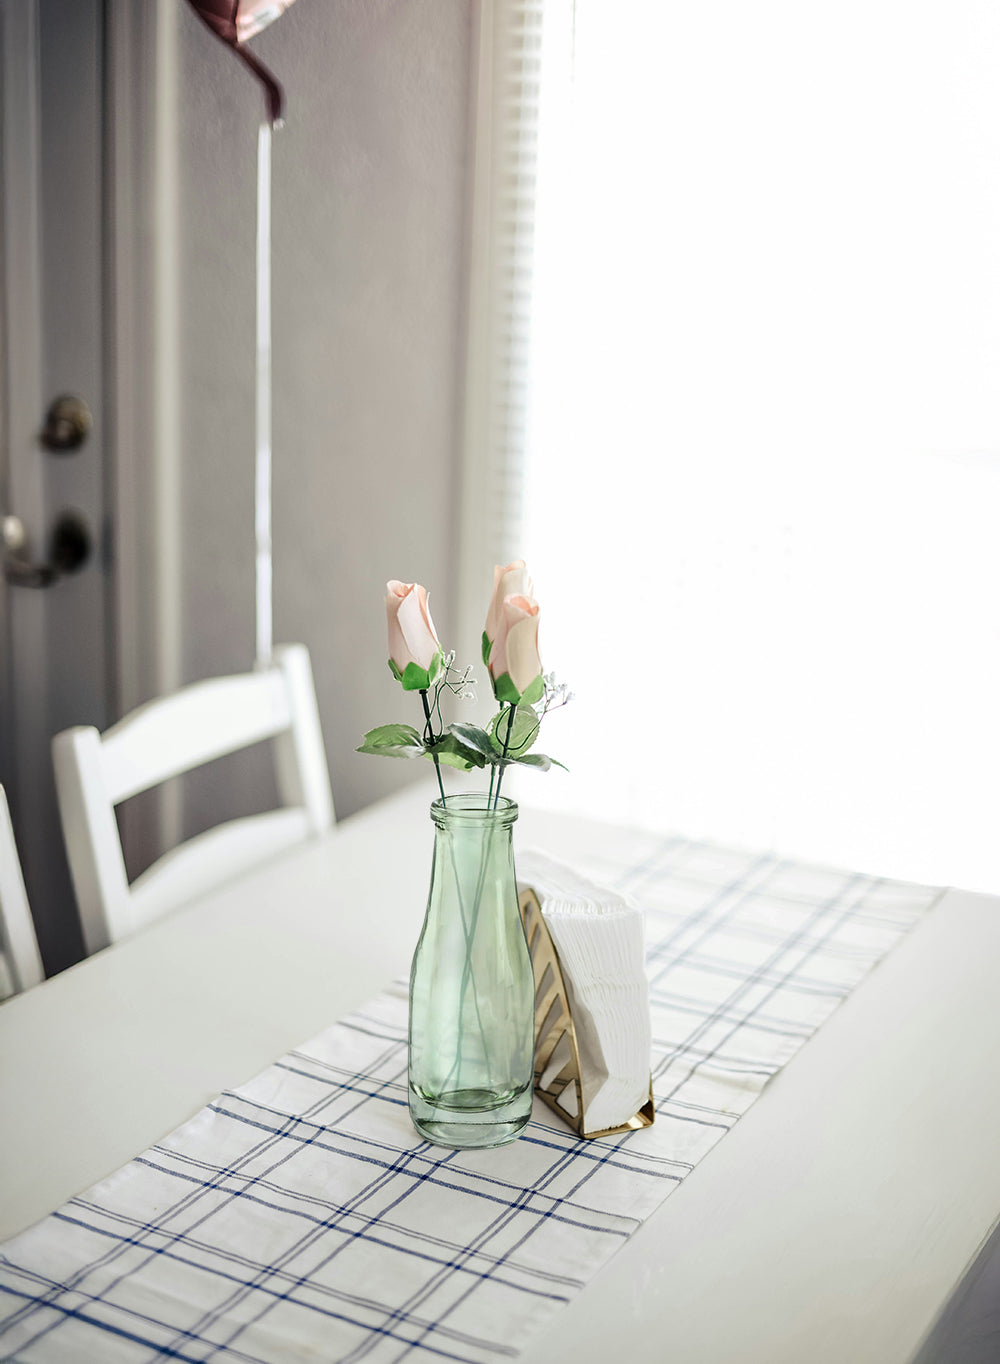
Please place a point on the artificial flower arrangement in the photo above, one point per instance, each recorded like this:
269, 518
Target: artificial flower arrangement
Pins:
472, 992
510, 653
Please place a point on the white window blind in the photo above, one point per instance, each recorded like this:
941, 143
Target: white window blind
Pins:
759, 426
501, 293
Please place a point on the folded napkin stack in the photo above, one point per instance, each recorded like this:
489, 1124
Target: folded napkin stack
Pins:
598, 935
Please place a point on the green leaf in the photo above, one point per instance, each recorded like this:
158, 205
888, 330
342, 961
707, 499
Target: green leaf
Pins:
504, 690
436, 670
523, 734
540, 760
473, 737
415, 678
534, 691
395, 671
451, 750
393, 741
487, 646
394, 734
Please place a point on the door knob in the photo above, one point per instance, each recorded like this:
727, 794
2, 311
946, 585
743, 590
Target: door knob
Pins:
70, 544
67, 424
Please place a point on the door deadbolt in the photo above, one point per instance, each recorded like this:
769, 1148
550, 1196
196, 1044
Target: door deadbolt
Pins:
67, 424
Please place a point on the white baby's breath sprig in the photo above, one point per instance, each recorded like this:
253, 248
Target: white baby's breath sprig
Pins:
462, 685
555, 695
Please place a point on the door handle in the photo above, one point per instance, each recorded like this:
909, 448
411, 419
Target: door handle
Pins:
70, 545
67, 424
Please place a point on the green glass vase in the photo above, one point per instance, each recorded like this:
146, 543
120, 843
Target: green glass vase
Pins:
471, 987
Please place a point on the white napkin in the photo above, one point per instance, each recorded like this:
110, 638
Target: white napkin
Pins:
599, 937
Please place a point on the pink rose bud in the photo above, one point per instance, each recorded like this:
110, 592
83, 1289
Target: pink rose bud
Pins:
512, 581
515, 667
415, 655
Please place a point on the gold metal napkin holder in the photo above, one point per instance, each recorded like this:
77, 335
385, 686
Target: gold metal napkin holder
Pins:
554, 1021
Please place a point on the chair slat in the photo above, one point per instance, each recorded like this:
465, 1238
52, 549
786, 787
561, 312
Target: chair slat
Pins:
164, 738
20, 961
204, 721
206, 861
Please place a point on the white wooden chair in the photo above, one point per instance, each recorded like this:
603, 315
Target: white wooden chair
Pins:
95, 772
20, 963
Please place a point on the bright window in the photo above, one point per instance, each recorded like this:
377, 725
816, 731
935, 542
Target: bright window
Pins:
763, 434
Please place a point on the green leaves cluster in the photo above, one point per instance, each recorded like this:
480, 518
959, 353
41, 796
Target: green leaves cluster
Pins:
415, 678
393, 741
506, 692
467, 746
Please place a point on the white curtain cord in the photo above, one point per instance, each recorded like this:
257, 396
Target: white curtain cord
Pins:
262, 471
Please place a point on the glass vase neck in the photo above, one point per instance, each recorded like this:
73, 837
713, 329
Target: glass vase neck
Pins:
474, 811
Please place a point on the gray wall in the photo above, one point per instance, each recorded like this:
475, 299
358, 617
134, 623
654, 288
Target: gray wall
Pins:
369, 224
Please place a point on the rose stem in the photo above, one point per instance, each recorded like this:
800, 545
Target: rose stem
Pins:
430, 740
506, 743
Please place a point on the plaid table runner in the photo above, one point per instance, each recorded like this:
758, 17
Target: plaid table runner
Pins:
299, 1217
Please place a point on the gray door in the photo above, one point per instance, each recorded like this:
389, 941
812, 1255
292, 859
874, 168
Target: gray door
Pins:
55, 492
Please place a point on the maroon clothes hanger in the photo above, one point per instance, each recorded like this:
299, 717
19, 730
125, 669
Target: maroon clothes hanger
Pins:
234, 21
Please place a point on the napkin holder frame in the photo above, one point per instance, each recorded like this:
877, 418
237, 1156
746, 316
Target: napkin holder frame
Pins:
554, 1021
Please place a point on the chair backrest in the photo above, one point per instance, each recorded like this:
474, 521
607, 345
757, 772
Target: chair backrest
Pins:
95, 772
20, 963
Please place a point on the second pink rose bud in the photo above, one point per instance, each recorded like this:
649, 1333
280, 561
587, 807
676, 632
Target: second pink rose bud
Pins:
510, 639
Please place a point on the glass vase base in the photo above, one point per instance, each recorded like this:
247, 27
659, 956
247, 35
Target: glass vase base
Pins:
471, 1118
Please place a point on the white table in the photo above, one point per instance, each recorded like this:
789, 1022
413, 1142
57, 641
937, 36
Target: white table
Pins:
820, 1229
